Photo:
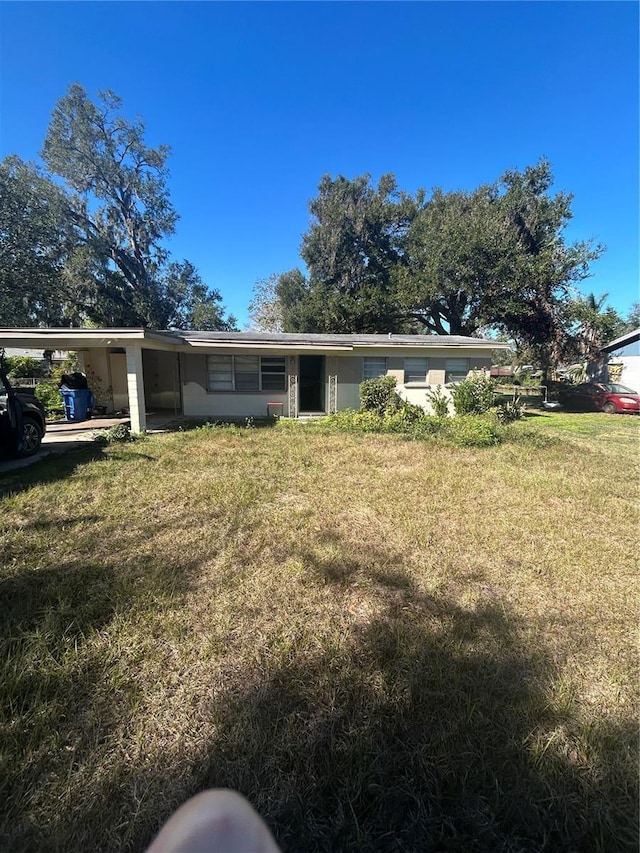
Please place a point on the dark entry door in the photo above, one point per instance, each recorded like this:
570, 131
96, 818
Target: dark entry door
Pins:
311, 383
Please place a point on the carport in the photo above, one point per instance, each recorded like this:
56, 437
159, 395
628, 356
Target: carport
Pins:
121, 360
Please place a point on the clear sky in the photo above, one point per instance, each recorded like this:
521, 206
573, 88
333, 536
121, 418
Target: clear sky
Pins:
259, 100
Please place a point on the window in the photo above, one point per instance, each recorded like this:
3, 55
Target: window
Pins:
455, 369
373, 367
220, 372
273, 374
415, 370
245, 373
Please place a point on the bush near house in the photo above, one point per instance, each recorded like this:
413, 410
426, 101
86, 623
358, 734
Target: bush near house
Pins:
478, 422
379, 395
25, 367
474, 395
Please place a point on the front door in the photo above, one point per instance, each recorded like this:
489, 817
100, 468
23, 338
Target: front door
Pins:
311, 383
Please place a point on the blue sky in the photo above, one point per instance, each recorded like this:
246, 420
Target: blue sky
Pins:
259, 100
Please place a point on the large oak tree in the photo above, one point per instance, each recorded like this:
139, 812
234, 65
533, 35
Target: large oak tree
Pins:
93, 249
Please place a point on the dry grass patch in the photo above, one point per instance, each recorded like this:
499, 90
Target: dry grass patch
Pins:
385, 645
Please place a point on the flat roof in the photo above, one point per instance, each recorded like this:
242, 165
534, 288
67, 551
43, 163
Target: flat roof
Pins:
78, 338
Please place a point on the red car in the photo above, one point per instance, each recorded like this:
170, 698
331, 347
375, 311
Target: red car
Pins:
601, 397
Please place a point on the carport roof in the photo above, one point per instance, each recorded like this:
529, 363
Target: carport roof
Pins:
70, 339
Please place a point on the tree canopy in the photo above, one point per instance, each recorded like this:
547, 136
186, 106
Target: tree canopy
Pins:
95, 251
379, 260
34, 245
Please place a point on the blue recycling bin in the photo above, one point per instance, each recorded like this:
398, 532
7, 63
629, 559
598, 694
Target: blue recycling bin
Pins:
77, 403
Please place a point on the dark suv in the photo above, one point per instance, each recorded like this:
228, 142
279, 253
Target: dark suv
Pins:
22, 421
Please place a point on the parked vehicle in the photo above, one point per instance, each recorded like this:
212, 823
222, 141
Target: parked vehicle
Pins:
607, 397
22, 420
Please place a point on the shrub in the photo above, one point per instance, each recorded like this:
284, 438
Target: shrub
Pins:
473, 396
474, 431
439, 402
25, 367
511, 410
379, 395
367, 421
118, 434
404, 419
49, 395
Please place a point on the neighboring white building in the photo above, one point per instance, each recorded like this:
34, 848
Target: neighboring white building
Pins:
624, 360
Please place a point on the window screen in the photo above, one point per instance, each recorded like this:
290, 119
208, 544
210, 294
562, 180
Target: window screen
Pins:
247, 372
220, 372
273, 374
415, 370
372, 367
455, 369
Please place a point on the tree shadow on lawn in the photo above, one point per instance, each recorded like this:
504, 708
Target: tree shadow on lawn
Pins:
63, 690
61, 466
49, 469
413, 727
417, 733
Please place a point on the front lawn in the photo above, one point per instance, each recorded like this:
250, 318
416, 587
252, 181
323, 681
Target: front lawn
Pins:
384, 644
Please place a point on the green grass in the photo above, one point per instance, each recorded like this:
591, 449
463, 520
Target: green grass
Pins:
384, 644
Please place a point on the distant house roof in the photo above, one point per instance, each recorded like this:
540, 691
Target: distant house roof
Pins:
622, 341
58, 355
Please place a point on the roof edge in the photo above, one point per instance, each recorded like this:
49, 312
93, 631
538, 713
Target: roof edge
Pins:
627, 338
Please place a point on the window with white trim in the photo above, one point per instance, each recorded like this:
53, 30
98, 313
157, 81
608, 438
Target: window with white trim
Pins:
415, 370
245, 373
373, 367
455, 369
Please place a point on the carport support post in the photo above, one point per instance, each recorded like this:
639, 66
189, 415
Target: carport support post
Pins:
135, 387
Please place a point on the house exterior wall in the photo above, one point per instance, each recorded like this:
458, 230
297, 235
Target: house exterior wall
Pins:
179, 383
349, 370
624, 367
161, 380
95, 363
197, 401
119, 388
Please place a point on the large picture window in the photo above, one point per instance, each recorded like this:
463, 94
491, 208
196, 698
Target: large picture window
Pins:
455, 369
245, 373
373, 367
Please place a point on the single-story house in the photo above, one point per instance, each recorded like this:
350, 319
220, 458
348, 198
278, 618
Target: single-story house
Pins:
624, 359
244, 374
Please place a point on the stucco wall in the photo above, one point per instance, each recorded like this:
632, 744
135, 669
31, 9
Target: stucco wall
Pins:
95, 363
161, 380
120, 393
349, 372
348, 369
198, 402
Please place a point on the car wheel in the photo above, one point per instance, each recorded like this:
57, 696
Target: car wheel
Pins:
610, 408
31, 437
